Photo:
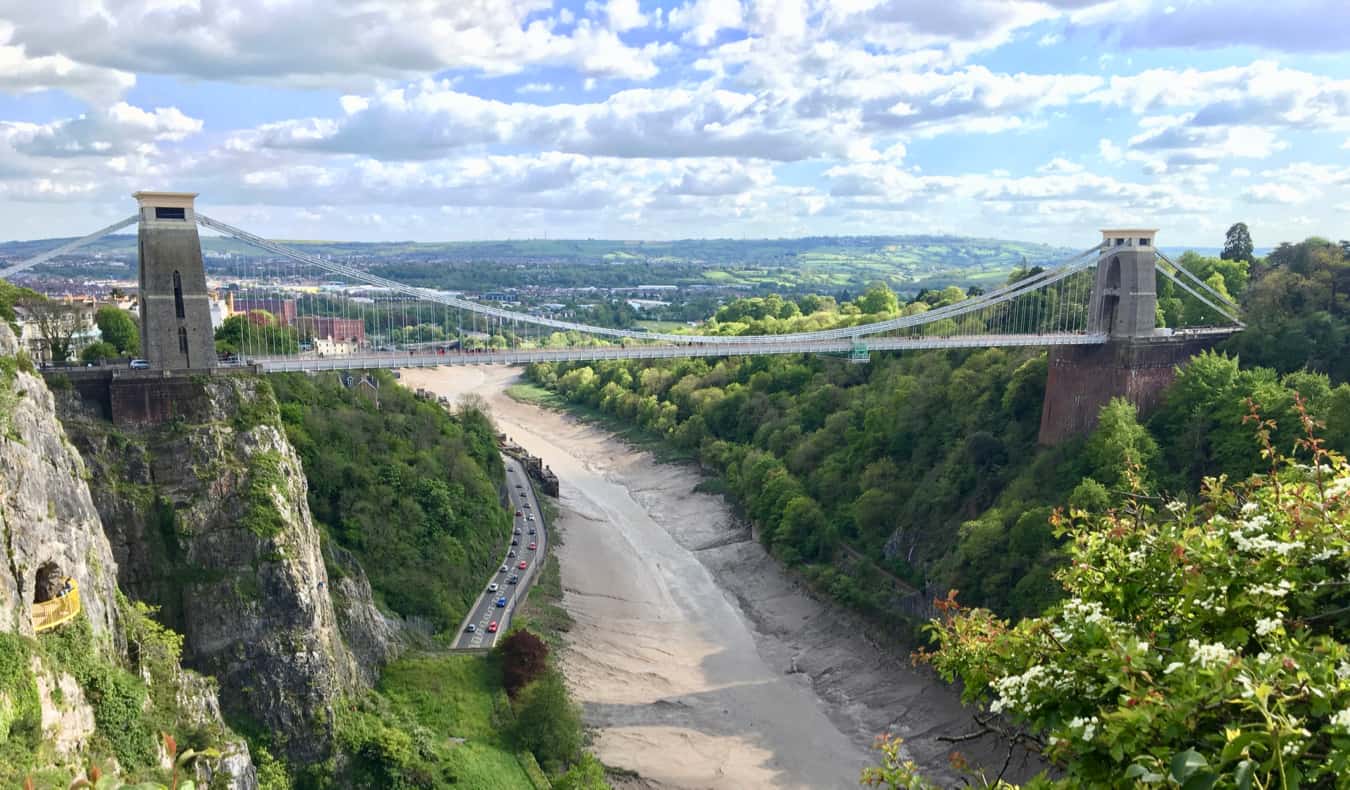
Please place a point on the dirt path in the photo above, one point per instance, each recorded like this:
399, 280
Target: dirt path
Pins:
698, 660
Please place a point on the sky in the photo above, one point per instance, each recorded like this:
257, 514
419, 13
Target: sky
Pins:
1038, 120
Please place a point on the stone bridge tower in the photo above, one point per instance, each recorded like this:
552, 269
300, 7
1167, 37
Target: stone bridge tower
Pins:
175, 312
1137, 362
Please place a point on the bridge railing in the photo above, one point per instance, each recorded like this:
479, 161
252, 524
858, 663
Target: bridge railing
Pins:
63, 608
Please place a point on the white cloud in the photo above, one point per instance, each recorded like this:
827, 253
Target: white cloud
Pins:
719, 177
20, 74
1262, 93
1291, 25
319, 42
119, 129
537, 87
431, 119
624, 15
702, 20
1275, 193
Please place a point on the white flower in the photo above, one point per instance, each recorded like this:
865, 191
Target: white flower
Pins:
1343, 670
1173, 667
1176, 507
1211, 655
1341, 719
1266, 625
1276, 591
1088, 726
1142, 647
1249, 508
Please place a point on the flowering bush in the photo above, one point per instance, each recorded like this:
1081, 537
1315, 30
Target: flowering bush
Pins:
1200, 645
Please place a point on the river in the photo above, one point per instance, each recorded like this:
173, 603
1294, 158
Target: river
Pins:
700, 662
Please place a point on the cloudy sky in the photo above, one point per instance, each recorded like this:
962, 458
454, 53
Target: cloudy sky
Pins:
479, 119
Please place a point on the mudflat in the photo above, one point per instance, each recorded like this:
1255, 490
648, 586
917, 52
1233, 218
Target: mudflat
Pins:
700, 662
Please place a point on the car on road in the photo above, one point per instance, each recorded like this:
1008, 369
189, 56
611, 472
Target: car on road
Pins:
511, 553
517, 531
527, 505
492, 627
533, 531
501, 602
530, 518
515, 579
492, 587
533, 546
523, 565
518, 514
504, 569
140, 364
515, 542
518, 485
471, 628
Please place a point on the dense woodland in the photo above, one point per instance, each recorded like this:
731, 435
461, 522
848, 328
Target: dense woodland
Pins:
925, 467
409, 489
926, 464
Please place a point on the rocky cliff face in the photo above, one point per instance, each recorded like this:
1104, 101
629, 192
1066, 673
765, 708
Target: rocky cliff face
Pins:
51, 530
50, 527
208, 518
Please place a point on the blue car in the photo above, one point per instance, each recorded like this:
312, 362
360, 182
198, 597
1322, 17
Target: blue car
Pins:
501, 602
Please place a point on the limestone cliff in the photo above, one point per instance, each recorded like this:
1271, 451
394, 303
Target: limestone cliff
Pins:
51, 530
50, 527
208, 518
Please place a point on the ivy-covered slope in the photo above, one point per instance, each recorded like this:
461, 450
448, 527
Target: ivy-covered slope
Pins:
409, 489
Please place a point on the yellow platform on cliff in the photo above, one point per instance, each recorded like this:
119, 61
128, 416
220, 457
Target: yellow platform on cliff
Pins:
64, 607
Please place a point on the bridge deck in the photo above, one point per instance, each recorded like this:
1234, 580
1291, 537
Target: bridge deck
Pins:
525, 357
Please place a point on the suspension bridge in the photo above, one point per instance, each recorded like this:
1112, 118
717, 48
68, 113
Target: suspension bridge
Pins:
304, 312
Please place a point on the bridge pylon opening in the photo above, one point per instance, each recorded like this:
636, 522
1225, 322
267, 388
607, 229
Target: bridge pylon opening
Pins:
1125, 297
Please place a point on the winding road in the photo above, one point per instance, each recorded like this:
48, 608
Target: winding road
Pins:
520, 493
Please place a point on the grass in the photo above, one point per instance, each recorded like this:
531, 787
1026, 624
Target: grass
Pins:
633, 434
459, 696
542, 611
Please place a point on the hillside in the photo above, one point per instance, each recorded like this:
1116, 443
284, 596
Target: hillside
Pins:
824, 264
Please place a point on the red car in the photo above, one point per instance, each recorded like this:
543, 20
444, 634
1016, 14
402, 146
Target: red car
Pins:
533, 545
492, 627
517, 512
523, 565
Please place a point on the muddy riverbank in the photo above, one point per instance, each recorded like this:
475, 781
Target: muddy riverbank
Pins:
698, 660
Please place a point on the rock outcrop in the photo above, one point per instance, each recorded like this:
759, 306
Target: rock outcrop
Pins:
209, 520
52, 530
48, 522
374, 638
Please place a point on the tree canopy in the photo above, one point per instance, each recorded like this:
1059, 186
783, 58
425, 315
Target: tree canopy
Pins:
118, 329
1201, 643
1237, 243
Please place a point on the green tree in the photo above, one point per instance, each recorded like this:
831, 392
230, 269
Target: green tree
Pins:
1119, 444
119, 329
1197, 645
258, 332
57, 322
95, 352
587, 773
1237, 243
548, 723
879, 298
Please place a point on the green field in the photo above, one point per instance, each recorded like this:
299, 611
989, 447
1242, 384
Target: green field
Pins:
458, 696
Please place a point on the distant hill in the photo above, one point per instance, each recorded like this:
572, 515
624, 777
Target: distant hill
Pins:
822, 263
